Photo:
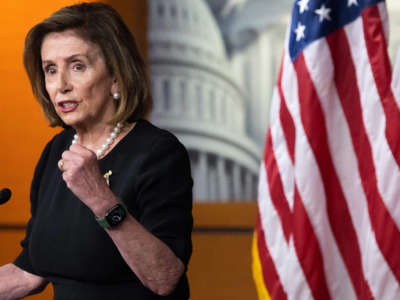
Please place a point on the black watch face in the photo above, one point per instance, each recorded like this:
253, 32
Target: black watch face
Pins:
116, 216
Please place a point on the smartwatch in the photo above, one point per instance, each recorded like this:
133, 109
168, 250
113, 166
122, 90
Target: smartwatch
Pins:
114, 216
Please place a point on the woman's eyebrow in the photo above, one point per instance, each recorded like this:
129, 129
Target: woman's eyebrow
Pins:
69, 58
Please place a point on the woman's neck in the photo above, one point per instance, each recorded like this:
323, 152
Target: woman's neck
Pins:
95, 137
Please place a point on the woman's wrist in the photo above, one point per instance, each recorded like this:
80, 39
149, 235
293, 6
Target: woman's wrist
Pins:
103, 204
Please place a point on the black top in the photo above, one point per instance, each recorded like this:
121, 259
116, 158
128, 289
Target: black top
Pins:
64, 243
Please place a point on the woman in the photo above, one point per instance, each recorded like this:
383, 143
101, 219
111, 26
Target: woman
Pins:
111, 195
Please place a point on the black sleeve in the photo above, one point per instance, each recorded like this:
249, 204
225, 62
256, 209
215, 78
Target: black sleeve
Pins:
23, 260
165, 195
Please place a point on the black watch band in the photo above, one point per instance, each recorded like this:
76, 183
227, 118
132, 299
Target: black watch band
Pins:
114, 216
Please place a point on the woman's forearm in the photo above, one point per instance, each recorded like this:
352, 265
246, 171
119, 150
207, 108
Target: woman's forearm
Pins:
16, 283
152, 260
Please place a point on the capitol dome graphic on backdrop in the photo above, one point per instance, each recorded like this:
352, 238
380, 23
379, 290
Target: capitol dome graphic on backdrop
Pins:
212, 89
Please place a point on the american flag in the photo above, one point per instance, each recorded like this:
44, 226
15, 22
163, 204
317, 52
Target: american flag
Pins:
329, 190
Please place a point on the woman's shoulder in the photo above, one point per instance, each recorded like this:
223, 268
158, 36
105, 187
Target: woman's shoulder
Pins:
64, 136
51, 152
149, 136
150, 131
59, 141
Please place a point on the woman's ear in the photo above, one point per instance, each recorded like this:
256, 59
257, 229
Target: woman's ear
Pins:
115, 87
115, 91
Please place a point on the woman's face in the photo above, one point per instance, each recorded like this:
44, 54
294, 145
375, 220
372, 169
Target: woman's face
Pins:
77, 80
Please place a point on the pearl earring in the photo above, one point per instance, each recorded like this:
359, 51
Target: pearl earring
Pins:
116, 96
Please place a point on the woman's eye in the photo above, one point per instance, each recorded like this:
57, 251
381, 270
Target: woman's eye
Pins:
79, 67
50, 70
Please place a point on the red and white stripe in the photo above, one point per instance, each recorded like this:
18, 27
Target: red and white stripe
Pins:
396, 78
329, 189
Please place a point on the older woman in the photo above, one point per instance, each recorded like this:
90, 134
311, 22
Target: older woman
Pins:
111, 195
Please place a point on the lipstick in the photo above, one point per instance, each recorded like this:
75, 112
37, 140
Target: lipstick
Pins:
67, 106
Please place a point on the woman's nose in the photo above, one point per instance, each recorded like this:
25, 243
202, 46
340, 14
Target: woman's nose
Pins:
63, 82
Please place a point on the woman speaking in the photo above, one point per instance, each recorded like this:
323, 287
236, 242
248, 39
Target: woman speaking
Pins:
111, 196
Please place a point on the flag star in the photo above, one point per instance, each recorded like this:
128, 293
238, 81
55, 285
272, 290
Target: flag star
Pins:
300, 31
303, 5
352, 2
323, 13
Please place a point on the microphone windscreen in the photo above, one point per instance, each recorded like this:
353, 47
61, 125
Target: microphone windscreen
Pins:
5, 195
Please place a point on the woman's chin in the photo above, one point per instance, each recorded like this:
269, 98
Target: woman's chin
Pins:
72, 122
71, 118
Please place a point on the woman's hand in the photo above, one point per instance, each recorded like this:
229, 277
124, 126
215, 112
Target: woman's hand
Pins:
82, 176
16, 283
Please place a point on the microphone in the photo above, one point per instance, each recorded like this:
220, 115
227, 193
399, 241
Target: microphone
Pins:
5, 195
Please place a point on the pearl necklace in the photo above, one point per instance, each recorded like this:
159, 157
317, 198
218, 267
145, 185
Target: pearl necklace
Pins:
109, 141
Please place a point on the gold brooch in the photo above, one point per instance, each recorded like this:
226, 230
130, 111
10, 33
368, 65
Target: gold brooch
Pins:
107, 177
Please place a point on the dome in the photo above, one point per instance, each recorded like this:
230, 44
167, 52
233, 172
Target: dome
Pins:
198, 98
187, 23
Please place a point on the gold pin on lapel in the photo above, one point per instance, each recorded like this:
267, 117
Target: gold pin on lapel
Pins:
107, 177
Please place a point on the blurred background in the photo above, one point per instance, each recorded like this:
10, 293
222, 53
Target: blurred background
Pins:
213, 65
